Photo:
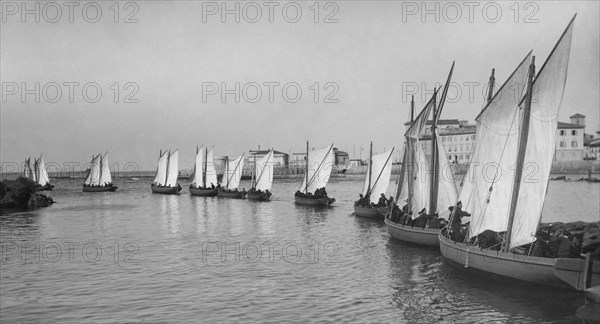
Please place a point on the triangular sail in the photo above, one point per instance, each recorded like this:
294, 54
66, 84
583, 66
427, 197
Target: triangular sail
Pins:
421, 179
488, 184
320, 163
173, 169
548, 89
381, 171
233, 173
210, 172
264, 172
105, 177
93, 178
161, 171
42, 174
447, 194
28, 170
198, 167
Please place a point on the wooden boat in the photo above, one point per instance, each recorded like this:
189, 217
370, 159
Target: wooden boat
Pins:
420, 183
99, 178
167, 171
38, 174
316, 178
512, 204
205, 176
262, 178
379, 171
231, 179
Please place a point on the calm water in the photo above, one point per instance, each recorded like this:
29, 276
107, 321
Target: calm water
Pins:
135, 256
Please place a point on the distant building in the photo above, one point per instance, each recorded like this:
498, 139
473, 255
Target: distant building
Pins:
298, 159
279, 158
458, 138
569, 140
594, 149
340, 157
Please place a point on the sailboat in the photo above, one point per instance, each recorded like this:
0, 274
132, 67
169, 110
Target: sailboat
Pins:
316, 175
420, 183
38, 174
99, 179
205, 177
167, 171
231, 178
376, 183
513, 134
262, 178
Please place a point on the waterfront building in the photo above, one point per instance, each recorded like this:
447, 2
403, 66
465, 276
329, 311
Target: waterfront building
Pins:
569, 140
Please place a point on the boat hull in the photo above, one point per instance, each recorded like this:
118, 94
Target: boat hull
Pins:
166, 190
368, 212
203, 192
259, 196
231, 194
99, 189
319, 202
417, 235
537, 270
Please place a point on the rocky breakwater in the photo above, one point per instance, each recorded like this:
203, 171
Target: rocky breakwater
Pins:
20, 194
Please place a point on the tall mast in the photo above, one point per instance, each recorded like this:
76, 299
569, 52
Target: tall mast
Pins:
491, 87
167, 173
521, 154
100, 177
253, 185
306, 171
412, 109
434, 152
370, 168
409, 166
225, 173
205, 167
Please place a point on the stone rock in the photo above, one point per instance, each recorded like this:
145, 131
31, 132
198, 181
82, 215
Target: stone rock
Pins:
20, 194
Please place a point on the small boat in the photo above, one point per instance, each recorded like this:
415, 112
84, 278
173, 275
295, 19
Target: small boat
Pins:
98, 178
315, 178
167, 171
379, 166
511, 205
38, 174
262, 178
231, 178
420, 184
205, 176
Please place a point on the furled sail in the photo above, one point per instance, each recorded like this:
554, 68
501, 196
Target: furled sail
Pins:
381, 171
105, 177
41, 173
93, 178
320, 163
198, 168
161, 170
210, 172
234, 172
548, 89
264, 172
172, 169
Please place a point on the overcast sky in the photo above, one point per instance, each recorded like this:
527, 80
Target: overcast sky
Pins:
169, 60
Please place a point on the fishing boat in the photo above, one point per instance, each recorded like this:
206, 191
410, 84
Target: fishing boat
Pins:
420, 183
316, 175
38, 174
231, 178
205, 177
167, 171
379, 171
513, 133
99, 178
262, 178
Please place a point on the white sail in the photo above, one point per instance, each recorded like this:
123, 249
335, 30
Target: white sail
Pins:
233, 173
264, 172
161, 170
42, 174
105, 177
211, 173
548, 89
198, 167
28, 170
93, 178
447, 192
381, 171
319, 164
173, 169
402, 188
494, 157
421, 179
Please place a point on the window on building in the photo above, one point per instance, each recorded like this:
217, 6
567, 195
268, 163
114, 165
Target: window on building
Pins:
454, 148
563, 144
562, 133
467, 156
473, 137
467, 138
449, 157
443, 139
449, 139
574, 144
460, 157
574, 132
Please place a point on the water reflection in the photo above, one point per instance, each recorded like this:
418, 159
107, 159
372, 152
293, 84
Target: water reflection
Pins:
169, 207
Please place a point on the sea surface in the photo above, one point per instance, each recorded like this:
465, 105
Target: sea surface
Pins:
134, 256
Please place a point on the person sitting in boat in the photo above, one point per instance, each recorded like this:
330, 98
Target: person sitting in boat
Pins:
390, 201
359, 202
243, 191
212, 185
457, 215
421, 220
268, 193
434, 221
382, 201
